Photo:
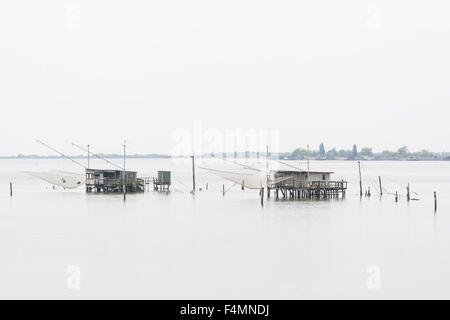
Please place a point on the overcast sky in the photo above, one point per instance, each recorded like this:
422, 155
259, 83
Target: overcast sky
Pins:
374, 73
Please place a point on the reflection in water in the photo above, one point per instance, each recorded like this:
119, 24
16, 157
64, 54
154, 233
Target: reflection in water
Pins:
176, 245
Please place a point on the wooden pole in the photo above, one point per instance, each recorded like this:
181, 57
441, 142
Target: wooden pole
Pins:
123, 175
307, 180
381, 187
262, 196
360, 180
10, 189
396, 196
408, 195
267, 171
435, 201
193, 173
223, 190
88, 152
207, 186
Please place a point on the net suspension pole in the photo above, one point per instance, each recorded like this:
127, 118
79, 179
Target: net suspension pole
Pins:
60, 153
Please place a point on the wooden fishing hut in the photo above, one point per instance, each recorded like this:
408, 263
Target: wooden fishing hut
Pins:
163, 181
299, 184
100, 180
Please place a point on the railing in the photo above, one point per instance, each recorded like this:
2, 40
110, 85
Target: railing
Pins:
302, 184
111, 182
329, 184
158, 182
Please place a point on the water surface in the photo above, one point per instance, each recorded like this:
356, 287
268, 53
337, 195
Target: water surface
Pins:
208, 246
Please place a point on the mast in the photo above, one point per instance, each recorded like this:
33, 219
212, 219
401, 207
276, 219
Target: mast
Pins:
97, 156
124, 154
88, 153
307, 155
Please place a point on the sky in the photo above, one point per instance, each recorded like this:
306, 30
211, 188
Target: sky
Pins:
371, 73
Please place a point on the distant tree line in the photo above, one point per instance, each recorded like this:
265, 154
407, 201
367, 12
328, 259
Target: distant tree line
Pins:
321, 153
366, 153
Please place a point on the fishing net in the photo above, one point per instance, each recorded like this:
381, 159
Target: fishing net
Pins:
66, 180
247, 178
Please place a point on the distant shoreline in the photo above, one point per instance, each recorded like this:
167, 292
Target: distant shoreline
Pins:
299, 154
231, 157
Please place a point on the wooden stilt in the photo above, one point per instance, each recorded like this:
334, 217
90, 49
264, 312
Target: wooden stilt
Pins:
435, 202
360, 180
193, 173
381, 187
262, 196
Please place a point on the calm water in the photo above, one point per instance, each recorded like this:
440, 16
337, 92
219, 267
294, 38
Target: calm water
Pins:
179, 246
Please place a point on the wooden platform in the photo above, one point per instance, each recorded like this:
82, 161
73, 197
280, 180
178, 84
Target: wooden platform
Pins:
309, 190
159, 185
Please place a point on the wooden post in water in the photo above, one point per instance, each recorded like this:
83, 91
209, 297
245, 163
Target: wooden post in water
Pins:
435, 202
207, 186
262, 196
223, 190
408, 194
267, 171
123, 174
10, 189
381, 187
193, 173
360, 180
396, 196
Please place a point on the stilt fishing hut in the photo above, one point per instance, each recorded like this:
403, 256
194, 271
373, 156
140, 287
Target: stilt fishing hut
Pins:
98, 180
163, 182
104, 180
307, 184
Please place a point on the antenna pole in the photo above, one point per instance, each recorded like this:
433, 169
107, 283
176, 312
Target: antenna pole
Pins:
124, 154
307, 155
97, 156
88, 152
